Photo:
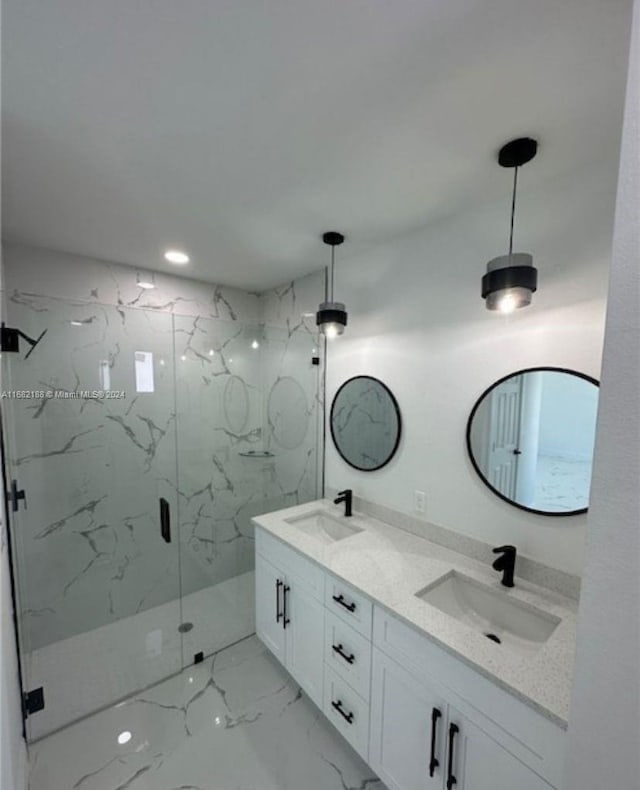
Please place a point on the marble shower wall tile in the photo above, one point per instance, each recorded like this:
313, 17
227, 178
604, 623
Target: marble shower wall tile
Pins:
219, 405
293, 387
32, 271
89, 545
247, 438
289, 304
90, 548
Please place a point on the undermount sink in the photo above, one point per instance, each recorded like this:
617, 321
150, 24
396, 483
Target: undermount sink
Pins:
323, 527
501, 619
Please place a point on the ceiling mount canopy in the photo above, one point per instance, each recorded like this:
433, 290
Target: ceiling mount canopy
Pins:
331, 317
512, 279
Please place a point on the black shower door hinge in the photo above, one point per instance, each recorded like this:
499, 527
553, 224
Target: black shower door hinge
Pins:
10, 340
33, 701
15, 495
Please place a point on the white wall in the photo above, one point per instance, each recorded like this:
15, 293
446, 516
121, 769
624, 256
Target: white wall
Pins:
417, 322
604, 731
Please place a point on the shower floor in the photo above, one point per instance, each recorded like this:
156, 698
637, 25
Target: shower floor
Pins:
92, 670
235, 722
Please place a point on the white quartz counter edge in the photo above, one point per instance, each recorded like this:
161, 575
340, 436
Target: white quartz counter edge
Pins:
390, 566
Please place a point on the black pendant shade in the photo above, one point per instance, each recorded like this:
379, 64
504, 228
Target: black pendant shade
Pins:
512, 279
331, 317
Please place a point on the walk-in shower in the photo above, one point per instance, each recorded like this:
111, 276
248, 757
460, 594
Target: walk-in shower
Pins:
145, 430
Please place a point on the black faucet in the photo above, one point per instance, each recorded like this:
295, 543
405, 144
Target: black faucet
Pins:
345, 496
506, 563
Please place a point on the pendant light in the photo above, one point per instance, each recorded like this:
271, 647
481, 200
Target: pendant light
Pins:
331, 317
511, 279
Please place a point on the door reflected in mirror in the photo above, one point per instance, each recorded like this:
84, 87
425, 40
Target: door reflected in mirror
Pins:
530, 437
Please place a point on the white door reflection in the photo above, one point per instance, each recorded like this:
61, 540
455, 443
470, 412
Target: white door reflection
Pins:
531, 438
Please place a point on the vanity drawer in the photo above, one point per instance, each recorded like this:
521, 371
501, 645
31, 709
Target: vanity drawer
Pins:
348, 604
297, 569
347, 711
348, 653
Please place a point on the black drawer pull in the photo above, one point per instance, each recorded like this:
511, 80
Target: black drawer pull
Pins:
434, 762
351, 607
348, 717
285, 619
339, 650
451, 780
279, 584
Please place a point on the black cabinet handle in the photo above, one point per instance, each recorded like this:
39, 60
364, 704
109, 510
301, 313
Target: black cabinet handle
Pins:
451, 780
348, 717
165, 520
279, 584
285, 619
351, 607
339, 650
434, 762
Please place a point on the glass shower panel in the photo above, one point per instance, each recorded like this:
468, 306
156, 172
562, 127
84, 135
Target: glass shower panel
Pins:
292, 422
219, 411
92, 443
246, 401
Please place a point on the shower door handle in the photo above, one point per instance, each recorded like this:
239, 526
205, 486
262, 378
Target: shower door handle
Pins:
165, 520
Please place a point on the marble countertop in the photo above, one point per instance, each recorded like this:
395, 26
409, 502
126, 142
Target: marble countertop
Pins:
391, 566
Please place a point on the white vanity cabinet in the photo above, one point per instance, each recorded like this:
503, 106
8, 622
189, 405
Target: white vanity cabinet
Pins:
408, 721
481, 736
290, 613
478, 762
420, 716
419, 742
347, 661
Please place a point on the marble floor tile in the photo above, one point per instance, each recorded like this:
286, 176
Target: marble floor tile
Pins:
89, 671
235, 722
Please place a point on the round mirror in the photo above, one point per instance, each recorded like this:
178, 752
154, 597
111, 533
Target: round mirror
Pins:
365, 423
530, 437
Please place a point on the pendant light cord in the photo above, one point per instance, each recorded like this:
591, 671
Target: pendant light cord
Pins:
513, 209
333, 254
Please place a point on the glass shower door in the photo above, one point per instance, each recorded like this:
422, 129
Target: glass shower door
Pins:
247, 423
219, 408
89, 430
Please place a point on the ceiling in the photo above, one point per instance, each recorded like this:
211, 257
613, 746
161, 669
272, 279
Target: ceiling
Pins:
239, 131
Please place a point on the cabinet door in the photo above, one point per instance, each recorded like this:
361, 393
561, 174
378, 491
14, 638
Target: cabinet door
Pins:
406, 719
481, 763
269, 607
305, 640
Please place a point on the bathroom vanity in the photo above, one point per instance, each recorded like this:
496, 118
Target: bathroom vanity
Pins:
434, 673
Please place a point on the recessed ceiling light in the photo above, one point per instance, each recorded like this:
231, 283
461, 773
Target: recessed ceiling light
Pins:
76, 323
124, 737
176, 256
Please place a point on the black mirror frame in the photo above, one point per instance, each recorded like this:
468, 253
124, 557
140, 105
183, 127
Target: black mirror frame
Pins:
569, 371
398, 416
